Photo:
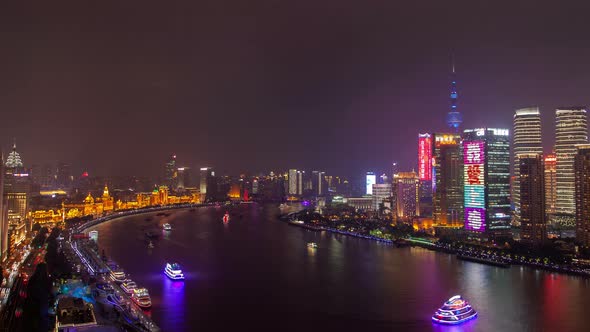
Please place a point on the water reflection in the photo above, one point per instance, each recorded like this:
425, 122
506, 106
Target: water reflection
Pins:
347, 283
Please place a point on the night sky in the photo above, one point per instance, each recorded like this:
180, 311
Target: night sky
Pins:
114, 87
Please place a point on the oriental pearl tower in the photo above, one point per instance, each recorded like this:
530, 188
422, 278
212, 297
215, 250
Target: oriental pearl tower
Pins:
454, 118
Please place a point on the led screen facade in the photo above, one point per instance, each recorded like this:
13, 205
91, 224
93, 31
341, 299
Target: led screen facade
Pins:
474, 181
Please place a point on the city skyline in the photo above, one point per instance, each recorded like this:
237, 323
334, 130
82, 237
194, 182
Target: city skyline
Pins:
304, 83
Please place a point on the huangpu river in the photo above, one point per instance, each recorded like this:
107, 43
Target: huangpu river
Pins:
256, 272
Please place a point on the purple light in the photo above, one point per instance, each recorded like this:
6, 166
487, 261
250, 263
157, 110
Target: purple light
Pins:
475, 219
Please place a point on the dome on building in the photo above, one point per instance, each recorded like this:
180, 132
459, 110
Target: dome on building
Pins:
13, 160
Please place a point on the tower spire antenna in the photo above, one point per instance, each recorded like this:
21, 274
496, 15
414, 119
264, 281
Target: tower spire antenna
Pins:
454, 118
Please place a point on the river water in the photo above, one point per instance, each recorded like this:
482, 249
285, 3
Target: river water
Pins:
257, 272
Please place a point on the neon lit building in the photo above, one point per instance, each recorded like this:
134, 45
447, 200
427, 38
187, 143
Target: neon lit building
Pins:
425, 156
533, 228
526, 140
571, 130
370, 180
447, 179
582, 193
486, 158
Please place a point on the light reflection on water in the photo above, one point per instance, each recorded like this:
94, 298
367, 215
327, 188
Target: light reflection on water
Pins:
260, 273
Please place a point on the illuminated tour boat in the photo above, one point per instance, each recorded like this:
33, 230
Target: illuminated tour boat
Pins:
141, 297
173, 271
167, 227
226, 217
312, 245
128, 286
455, 311
118, 275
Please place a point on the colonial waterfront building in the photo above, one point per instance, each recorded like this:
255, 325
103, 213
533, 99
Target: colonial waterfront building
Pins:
571, 130
526, 140
486, 158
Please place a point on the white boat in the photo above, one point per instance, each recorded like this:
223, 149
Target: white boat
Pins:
167, 227
150, 245
128, 286
312, 245
173, 271
141, 297
118, 276
455, 311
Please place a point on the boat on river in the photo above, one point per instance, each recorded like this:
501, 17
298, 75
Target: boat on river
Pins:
141, 297
167, 227
173, 271
455, 311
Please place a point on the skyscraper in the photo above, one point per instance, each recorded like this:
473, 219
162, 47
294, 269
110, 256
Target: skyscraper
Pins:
292, 182
571, 130
533, 229
170, 173
407, 186
486, 158
447, 177
207, 184
582, 194
526, 140
381, 192
425, 174
3, 216
454, 118
370, 180
550, 184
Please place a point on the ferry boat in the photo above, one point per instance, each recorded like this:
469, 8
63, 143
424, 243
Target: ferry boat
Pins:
455, 311
141, 297
312, 245
226, 217
151, 245
118, 275
128, 286
173, 271
167, 227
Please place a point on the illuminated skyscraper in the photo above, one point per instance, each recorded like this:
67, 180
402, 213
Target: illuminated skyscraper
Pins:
3, 216
370, 180
454, 118
183, 177
486, 158
208, 184
582, 194
425, 174
550, 184
407, 187
533, 228
300, 175
292, 182
526, 140
170, 173
571, 130
381, 192
447, 179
